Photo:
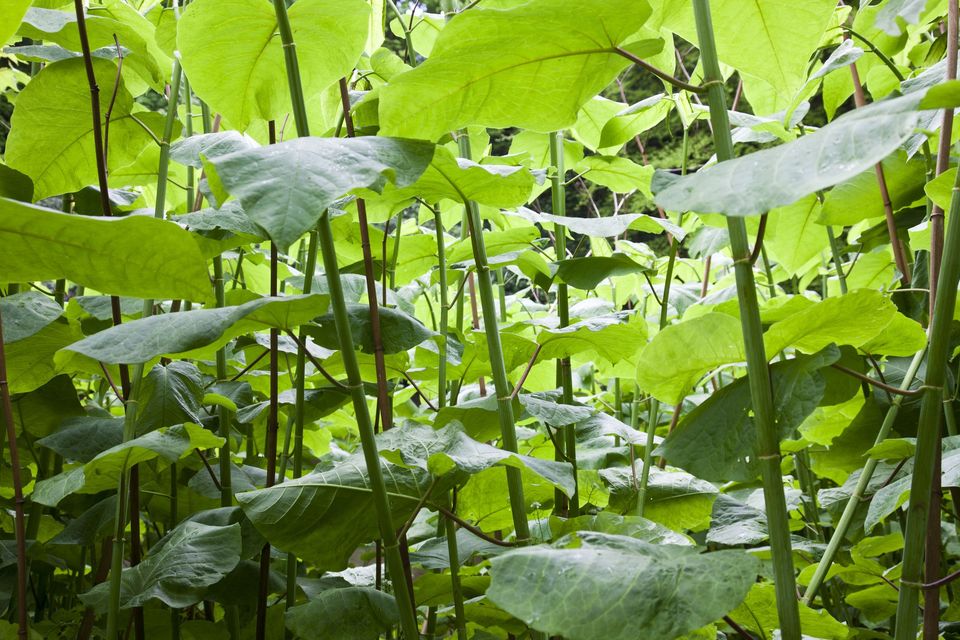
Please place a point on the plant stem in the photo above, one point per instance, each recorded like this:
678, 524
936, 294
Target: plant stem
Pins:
928, 431
402, 593
19, 527
444, 310
558, 200
454, 555
757, 368
837, 261
943, 153
863, 482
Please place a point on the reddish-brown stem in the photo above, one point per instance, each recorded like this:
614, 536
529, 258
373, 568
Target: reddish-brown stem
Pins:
526, 372
876, 383
943, 153
383, 396
19, 526
899, 255
758, 246
270, 446
103, 568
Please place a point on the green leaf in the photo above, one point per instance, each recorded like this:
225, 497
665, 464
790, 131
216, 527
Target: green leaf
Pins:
610, 523
610, 336
859, 198
604, 227
41, 244
634, 120
678, 356
758, 613
675, 499
768, 41
587, 273
51, 132
620, 175
349, 613
24, 314
793, 237
724, 425
82, 439
42, 411
443, 451
764, 180
170, 394
734, 523
324, 516
11, 13
104, 471
892, 12
31, 362
172, 334
853, 319
249, 83
312, 173
662, 590
398, 330
178, 570
539, 86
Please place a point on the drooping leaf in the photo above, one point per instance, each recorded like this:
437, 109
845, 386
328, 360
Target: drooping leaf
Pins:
349, 613
603, 227
42, 411
398, 330
103, 471
51, 132
177, 572
31, 362
325, 515
178, 333
723, 423
859, 198
587, 273
663, 590
82, 439
11, 13
40, 244
764, 180
443, 451
245, 85
620, 175
614, 337
169, 394
539, 86
610, 523
680, 354
675, 499
758, 614
311, 173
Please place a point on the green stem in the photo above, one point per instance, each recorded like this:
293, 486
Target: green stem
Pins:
408, 620
454, 555
508, 432
837, 261
757, 369
558, 200
928, 431
444, 310
856, 498
18, 499
132, 401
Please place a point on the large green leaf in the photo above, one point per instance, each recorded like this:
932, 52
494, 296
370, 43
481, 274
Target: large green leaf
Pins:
234, 59
859, 198
610, 336
758, 613
537, 83
723, 424
764, 180
170, 394
768, 41
112, 19
106, 254
104, 471
51, 132
177, 333
675, 499
82, 439
587, 273
31, 362
679, 355
398, 330
10, 15
324, 516
286, 187
619, 588
449, 449
349, 613
178, 570
605, 226
24, 314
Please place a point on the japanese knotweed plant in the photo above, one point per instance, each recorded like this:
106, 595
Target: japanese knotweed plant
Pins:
590, 319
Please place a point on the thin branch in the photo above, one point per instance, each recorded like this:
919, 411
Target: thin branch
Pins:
663, 75
106, 374
475, 530
526, 372
206, 464
249, 366
417, 389
876, 383
113, 101
758, 247
318, 366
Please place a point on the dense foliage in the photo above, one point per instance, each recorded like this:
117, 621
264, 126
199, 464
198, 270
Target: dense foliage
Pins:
582, 319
